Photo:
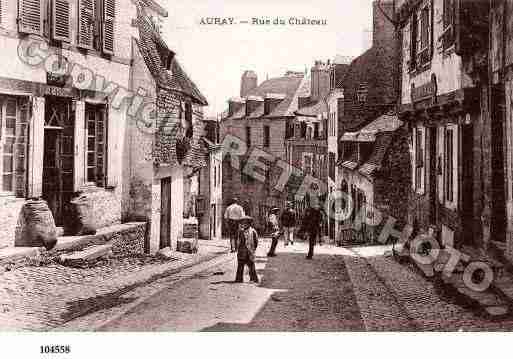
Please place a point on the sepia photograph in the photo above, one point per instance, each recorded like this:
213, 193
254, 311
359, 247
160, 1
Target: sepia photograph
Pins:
338, 166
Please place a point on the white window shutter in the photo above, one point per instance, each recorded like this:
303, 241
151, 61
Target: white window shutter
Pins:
30, 17
80, 144
86, 24
112, 153
61, 20
109, 15
1, 9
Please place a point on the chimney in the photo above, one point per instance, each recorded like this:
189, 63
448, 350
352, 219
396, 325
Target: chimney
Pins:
235, 104
248, 82
382, 28
320, 81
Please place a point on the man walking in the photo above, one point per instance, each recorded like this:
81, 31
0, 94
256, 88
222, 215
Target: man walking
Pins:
311, 225
288, 221
247, 243
232, 215
275, 231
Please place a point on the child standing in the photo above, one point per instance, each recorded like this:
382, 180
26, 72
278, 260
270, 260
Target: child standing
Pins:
247, 243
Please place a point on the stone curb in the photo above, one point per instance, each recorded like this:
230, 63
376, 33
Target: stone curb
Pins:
20, 256
187, 271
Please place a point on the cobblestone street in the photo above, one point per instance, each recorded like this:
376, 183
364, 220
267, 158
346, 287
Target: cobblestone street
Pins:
341, 289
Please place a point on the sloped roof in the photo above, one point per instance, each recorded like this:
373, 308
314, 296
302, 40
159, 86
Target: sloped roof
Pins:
287, 85
157, 56
317, 108
384, 123
375, 161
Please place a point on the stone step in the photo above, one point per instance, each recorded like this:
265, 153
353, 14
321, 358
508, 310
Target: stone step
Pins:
504, 285
87, 255
487, 300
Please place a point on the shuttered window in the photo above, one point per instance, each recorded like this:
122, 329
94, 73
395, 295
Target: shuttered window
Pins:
413, 41
1, 9
86, 24
108, 22
61, 22
30, 17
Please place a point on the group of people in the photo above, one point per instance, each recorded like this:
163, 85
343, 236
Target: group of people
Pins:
244, 238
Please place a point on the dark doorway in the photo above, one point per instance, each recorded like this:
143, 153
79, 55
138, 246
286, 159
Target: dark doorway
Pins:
165, 213
58, 156
213, 224
498, 220
433, 180
467, 139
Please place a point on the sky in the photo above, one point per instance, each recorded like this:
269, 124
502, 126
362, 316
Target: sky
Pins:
215, 56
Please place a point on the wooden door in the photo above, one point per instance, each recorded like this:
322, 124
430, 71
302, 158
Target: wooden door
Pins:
58, 156
52, 184
165, 213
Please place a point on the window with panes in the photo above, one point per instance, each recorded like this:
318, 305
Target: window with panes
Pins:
96, 149
9, 115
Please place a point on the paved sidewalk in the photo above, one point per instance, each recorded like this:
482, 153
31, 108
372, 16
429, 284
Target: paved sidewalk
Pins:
385, 288
42, 298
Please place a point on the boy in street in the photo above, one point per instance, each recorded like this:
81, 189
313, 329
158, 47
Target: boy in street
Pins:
247, 243
275, 231
311, 225
288, 221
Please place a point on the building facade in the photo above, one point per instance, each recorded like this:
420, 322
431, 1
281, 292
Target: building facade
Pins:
259, 119
370, 90
210, 199
450, 143
306, 139
165, 152
335, 103
63, 92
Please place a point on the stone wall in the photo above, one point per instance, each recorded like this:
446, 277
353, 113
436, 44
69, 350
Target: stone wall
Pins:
10, 208
393, 184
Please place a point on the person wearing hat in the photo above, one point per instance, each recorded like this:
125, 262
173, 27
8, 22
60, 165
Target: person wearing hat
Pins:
275, 230
247, 243
232, 215
311, 225
288, 221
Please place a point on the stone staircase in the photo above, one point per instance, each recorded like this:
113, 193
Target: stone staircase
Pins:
496, 301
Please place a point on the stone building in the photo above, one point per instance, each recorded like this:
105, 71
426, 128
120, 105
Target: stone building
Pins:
210, 198
375, 173
499, 197
443, 63
64, 85
370, 90
165, 151
335, 103
306, 140
259, 118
